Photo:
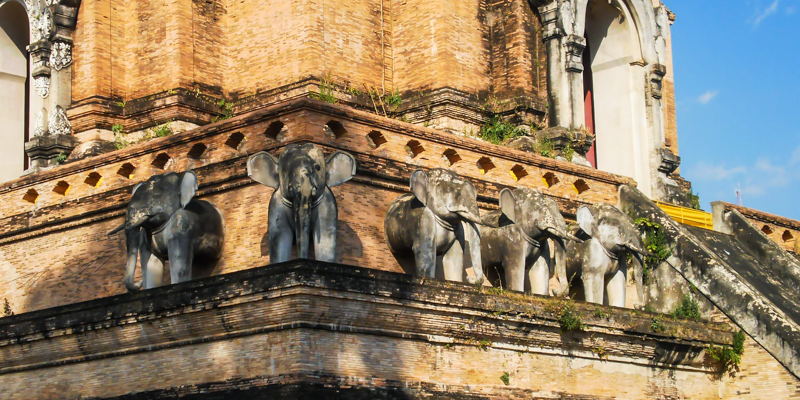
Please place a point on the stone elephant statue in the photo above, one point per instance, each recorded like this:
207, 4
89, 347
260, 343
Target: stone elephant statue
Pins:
439, 217
165, 222
518, 236
601, 261
302, 207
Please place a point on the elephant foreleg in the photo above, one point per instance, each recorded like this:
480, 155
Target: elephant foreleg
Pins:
539, 274
281, 233
615, 288
593, 287
325, 229
453, 262
180, 259
424, 247
152, 267
514, 266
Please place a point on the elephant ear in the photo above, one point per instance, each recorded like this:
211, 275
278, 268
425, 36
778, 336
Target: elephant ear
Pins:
188, 187
508, 204
587, 221
262, 167
136, 186
341, 167
419, 186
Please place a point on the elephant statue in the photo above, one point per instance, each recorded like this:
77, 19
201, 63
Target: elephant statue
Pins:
165, 221
601, 261
439, 217
302, 207
516, 238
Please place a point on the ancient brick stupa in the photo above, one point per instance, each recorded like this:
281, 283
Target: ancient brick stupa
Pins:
152, 116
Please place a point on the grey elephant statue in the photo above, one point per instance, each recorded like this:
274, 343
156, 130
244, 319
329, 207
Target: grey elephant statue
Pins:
302, 207
601, 261
165, 222
439, 217
517, 238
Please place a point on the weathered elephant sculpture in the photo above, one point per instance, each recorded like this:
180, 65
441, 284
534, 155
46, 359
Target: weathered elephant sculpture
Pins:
303, 206
601, 260
166, 221
517, 238
439, 217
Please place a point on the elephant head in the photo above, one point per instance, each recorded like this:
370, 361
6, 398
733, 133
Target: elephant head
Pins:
301, 176
453, 200
617, 234
152, 205
538, 217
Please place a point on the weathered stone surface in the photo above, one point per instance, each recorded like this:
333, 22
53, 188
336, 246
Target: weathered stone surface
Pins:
91, 148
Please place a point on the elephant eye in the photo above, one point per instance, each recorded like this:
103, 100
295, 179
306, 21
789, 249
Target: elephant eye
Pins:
317, 167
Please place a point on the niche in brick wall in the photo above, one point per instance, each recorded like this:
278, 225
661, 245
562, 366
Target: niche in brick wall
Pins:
485, 165
162, 161
335, 129
766, 229
235, 140
274, 129
787, 236
197, 151
126, 170
376, 139
31, 196
451, 156
518, 172
414, 148
550, 179
93, 179
62, 188
580, 186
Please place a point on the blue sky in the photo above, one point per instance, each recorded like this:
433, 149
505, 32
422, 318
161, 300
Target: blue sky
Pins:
737, 72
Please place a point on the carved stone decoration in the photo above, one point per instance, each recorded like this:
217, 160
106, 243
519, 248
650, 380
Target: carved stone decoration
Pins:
42, 85
41, 21
518, 237
41, 124
165, 220
601, 261
59, 124
440, 217
302, 178
61, 55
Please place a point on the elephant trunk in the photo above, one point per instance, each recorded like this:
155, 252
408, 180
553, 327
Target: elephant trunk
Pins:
133, 239
304, 196
470, 216
472, 245
560, 252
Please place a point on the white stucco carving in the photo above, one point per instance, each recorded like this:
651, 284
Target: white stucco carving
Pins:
61, 55
42, 85
41, 21
59, 124
41, 123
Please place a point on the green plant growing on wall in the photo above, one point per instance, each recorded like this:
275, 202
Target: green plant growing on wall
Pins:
393, 99
162, 130
227, 111
568, 318
497, 131
326, 91
655, 242
729, 357
689, 308
568, 152
506, 378
656, 325
694, 199
60, 158
546, 148
7, 311
119, 138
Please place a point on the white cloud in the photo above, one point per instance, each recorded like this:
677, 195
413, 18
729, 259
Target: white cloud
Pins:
703, 171
795, 156
706, 97
772, 9
791, 10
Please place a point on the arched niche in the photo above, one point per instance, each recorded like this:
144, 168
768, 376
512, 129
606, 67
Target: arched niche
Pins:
614, 90
14, 89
